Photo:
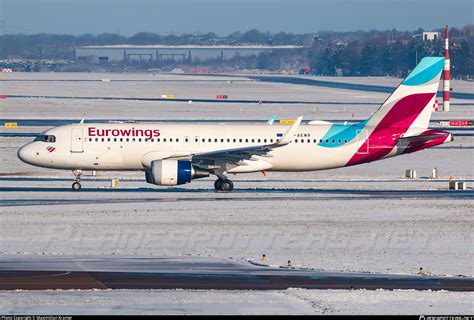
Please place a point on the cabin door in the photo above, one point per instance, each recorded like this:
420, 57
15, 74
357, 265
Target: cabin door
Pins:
77, 143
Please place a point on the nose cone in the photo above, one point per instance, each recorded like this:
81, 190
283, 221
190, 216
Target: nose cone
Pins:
26, 154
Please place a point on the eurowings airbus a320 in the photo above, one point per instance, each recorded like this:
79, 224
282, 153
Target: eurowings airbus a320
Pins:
174, 154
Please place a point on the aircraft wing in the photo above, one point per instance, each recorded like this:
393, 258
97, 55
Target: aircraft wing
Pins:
222, 157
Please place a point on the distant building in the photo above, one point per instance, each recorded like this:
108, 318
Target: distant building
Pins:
428, 36
160, 53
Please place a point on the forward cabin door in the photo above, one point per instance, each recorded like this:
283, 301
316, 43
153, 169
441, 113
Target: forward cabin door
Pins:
362, 142
77, 143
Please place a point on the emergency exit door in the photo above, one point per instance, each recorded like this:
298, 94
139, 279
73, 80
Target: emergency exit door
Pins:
77, 143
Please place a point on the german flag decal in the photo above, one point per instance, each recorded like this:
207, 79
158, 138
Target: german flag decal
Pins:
50, 149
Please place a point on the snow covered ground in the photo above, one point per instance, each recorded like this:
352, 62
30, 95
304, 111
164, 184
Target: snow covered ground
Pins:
319, 229
181, 87
457, 85
291, 301
319, 219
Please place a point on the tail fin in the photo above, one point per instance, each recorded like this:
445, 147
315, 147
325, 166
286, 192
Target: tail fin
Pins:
409, 107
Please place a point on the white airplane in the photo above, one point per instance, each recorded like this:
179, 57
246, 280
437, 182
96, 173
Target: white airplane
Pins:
174, 154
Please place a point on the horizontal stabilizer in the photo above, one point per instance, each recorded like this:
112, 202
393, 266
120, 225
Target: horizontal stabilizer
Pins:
424, 137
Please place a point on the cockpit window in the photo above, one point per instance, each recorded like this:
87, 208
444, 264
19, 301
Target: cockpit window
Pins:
46, 138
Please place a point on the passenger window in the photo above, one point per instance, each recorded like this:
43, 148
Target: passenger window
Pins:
265, 140
90, 139
228, 140
121, 139
345, 141
258, 140
215, 140
309, 140
115, 139
271, 140
234, 140
332, 140
222, 140
240, 140
96, 139
246, 140
171, 139
339, 141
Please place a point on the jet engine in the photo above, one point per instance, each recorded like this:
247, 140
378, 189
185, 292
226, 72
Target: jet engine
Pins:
173, 172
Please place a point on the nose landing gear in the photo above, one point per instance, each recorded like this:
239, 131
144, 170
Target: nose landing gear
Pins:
224, 185
76, 186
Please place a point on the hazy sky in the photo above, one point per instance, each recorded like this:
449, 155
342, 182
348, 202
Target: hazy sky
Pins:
226, 16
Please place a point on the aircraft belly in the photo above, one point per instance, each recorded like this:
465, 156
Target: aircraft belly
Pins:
308, 159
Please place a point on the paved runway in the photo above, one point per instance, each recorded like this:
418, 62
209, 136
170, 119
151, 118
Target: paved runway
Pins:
189, 99
248, 195
42, 273
347, 86
58, 122
250, 101
273, 79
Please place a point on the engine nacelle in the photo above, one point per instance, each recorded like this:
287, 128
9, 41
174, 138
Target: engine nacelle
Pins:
172, 172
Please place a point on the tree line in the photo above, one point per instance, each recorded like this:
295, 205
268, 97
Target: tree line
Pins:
357, 53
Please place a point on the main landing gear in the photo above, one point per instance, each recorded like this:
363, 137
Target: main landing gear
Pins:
224, 185
76, 186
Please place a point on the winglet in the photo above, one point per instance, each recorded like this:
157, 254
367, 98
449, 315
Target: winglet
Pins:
288, 136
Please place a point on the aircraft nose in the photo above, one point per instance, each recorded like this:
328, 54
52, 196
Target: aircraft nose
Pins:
25, 154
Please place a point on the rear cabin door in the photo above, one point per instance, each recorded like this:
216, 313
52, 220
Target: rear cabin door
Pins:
77, 143
362, 142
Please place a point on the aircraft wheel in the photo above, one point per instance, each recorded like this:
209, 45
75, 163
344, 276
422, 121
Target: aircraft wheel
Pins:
226, 185
76, 186
217, 184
